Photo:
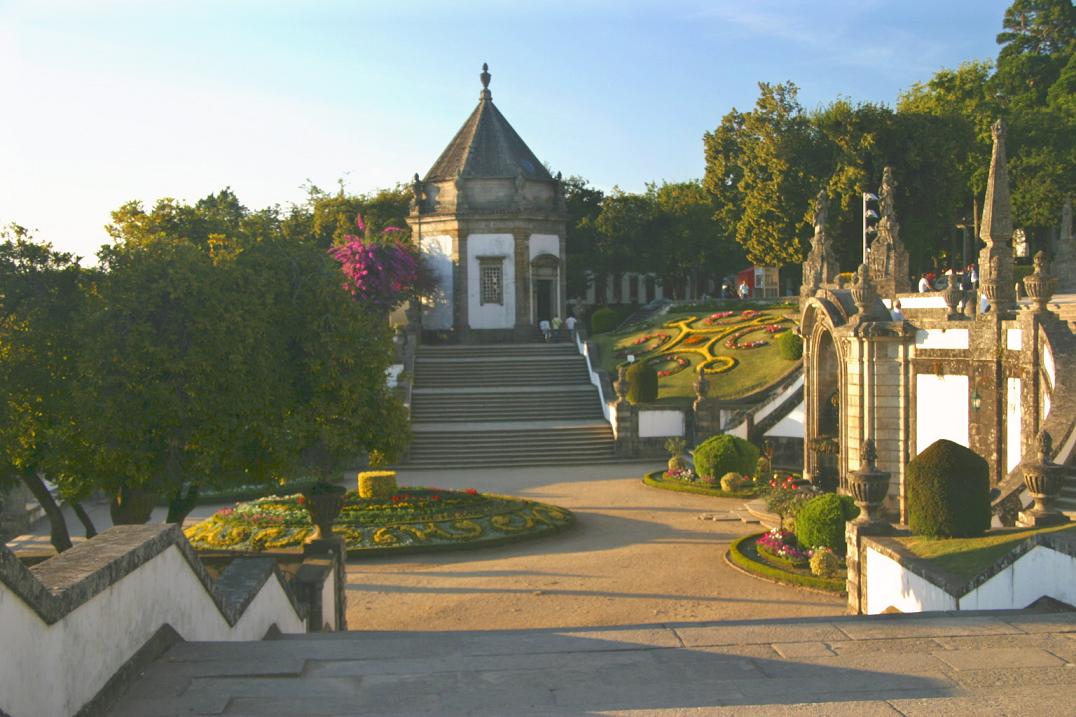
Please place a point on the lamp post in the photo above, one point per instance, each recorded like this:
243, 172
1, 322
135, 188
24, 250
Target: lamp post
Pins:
868, 215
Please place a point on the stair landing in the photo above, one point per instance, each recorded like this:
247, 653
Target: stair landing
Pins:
928, 664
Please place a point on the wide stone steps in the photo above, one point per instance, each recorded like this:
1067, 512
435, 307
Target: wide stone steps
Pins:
506, 405
1066, 502
554, 403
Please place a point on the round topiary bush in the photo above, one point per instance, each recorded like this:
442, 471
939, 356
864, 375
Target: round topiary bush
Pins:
723, 454
732, 482
377, 484
789, 346
948, 492
824, 563
642, 383
820, 521
602, 320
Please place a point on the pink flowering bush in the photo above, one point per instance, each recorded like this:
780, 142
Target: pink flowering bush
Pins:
382, 273
781, 544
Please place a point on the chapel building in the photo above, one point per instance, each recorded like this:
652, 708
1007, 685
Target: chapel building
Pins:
490, 221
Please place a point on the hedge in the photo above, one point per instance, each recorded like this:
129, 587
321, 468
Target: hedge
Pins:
948, 491
723, 454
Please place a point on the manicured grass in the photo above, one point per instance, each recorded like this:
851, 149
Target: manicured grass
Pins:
657, 480
745, 556
968, 557
689, 335
411, 520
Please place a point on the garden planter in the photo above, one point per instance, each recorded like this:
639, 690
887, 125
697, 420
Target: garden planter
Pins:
323, 501
1043, 482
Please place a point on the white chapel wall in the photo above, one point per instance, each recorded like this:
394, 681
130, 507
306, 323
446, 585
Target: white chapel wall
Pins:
437, 251
491, 316
941, 409
1012, 423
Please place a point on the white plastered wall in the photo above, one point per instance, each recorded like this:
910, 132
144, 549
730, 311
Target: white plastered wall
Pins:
491, 316
941, 409
437, 251
890, 585
56, 669
1012, 423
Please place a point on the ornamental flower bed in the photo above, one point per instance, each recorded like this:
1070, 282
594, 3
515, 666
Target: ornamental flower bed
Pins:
414, 518
781, 545
775, 328
679, 364
642, 345
718, 316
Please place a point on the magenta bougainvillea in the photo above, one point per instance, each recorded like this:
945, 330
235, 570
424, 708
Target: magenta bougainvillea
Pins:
380, 272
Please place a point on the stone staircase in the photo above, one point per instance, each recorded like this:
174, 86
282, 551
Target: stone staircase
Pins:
504, 405
1066, 503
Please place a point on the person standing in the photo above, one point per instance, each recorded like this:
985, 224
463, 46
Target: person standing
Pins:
543, 326
924, 284
557, 325
570, 324
744, 290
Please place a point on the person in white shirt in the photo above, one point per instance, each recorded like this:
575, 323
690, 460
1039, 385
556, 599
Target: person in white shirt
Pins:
543, 325
924, 284
570, 324
744, 290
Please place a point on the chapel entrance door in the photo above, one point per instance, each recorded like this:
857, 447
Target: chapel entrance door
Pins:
543, 299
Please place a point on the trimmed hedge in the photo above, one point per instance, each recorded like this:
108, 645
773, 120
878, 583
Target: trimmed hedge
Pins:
948, 489
723, 454
642, 383
657, 480
789, 346
377, 484
603, 320
820, 521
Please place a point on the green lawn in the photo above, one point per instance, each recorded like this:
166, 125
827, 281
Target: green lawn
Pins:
691, 337
967, 557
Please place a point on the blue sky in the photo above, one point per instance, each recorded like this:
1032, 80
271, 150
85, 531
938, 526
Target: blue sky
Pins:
108, 101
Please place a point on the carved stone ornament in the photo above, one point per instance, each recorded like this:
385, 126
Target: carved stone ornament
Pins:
862, 290
1040, 284
820, 267
1043, 481
953, 296
869, 487
622, 383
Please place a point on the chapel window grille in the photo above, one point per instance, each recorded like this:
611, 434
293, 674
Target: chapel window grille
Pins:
492, 283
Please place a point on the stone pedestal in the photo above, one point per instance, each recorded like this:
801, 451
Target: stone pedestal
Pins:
334, 552
857, 577
626, 418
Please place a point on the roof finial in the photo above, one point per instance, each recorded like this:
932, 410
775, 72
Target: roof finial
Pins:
485, 82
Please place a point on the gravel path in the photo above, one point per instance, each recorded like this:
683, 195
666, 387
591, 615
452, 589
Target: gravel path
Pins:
637, 555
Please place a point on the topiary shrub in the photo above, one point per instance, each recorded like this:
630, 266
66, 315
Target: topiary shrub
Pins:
789, 346
820, 521
675, 446
948, 492
723, 454
642, 383
732, 482
377, 484
824, 563
603, 320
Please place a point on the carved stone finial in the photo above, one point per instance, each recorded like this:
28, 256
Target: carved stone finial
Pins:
953, 296
862, 289
996, 229
485, 94
868, 454
821, 211
997, 130
1044, 445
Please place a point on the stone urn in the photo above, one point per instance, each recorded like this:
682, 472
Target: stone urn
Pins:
1043, 481
953, 295
869, 487
1040, 285
323, 501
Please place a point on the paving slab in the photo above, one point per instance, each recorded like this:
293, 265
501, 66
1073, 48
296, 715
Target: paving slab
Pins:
1016, 701
987, 658
928, 626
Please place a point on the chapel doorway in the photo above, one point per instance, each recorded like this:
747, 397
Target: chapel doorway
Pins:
543, 299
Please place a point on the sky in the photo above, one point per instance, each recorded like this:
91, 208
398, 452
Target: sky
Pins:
108, 101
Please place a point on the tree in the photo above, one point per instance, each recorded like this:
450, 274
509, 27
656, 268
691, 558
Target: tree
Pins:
39, 304
762, 170
582, 204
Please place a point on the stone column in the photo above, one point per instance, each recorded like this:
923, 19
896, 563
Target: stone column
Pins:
334, 550
707, 411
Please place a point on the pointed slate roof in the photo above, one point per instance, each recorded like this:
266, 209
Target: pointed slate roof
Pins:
486, 147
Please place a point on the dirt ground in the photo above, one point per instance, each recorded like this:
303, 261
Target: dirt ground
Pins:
636, 555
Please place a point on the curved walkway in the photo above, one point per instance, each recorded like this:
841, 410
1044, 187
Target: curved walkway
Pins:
637, 555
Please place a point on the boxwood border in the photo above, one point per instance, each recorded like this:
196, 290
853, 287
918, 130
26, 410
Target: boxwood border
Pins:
654, 480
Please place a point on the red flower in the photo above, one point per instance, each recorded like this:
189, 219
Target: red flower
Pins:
471, 491
301, 500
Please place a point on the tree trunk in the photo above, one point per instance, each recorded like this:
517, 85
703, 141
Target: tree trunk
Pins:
84, 518
180, 505
61, 539
132, 506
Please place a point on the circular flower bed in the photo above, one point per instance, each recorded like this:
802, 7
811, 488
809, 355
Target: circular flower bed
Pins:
720, 364
686, 480
644, 344
411, 519
774, 556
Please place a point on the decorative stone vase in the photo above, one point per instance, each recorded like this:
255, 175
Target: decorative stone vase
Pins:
1043, 483
324, 501
990, 290
1039, 286
869, 487
861, 290
953, 295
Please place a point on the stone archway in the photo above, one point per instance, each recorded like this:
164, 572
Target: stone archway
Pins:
823, 440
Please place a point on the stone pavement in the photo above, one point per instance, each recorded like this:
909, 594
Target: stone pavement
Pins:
1016, 663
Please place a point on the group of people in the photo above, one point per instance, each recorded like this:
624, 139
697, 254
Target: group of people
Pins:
553, 330
969, 280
